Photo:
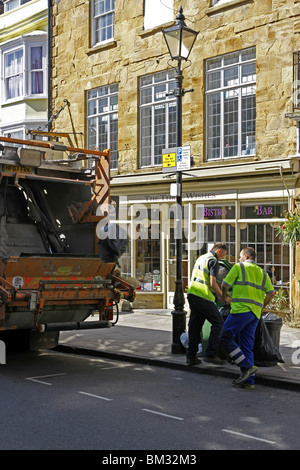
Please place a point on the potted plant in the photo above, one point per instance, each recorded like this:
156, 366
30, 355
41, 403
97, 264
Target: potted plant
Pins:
290, 229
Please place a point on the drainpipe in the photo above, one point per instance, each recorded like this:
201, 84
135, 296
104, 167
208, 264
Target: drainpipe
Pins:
49, 62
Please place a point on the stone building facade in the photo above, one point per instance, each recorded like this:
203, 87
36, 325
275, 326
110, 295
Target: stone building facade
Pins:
240, 123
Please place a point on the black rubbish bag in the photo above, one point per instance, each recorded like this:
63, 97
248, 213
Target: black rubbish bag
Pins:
265, 353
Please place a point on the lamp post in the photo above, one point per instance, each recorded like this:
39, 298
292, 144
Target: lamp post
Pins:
180, 40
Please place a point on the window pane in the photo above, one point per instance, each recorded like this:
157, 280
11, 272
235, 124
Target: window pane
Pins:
146, 96
172, 125
114, 140
248, 123
92, 133
36, 57
213, 126
231, 76
159, 92
213, 63
248, 73
146, 132
213, 80
231, 125
159, 132
92, 107
232, 58
37, 82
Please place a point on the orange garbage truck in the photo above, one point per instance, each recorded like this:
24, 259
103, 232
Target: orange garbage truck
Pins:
55, 272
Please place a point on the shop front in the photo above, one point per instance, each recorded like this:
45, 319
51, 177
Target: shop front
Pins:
245, 216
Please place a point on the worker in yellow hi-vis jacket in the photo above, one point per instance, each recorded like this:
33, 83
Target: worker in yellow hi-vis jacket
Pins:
252, 290
202, 292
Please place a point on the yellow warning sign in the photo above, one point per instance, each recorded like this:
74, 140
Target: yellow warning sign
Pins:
169, 160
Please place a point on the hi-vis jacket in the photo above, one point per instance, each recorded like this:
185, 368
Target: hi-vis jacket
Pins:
249, 284
200, 281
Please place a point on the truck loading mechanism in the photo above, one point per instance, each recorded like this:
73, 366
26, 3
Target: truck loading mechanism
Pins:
54, 273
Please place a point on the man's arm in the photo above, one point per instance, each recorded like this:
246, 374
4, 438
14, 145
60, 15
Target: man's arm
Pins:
268, 298
217, 291
226, 298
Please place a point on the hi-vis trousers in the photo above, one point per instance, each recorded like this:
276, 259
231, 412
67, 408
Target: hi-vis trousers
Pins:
240, 326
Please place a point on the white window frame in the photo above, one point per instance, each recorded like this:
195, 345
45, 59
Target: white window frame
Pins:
239, 87
157, 100
97, 18
25, 44
12, 4
96, 95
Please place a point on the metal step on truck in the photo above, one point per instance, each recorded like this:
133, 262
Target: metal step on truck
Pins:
54, 270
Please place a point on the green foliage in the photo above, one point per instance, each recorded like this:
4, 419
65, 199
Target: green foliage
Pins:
280, 301
290, 229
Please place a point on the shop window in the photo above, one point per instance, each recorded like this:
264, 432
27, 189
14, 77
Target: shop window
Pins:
231, 105
157, 12
157, 117
172, 260
148, 268
103, 21
125, 263
272, 255
214, 223
102, 120
142, 259
147, 245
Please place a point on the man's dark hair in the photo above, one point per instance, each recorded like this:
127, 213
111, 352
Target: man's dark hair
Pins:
220, 246
249, 251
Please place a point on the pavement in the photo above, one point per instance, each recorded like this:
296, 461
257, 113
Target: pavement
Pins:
145, 336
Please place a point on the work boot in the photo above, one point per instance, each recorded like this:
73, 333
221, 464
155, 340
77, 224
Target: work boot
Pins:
245, 375
192, 361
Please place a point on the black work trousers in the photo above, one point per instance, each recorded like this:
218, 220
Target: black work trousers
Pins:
201, 310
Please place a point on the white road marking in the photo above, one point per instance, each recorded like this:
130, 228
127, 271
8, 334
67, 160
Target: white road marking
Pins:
37, 379
162, 414
96, 396
249, 437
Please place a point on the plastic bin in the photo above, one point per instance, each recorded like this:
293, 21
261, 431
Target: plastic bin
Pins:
205, 332
273, 324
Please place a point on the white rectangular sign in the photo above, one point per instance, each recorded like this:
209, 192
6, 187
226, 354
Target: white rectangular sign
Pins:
183, 158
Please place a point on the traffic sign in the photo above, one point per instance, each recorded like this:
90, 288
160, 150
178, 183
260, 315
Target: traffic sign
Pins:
169, 160
176, 159
183, 158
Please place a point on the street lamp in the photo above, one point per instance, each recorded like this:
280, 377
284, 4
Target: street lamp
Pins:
180, 40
